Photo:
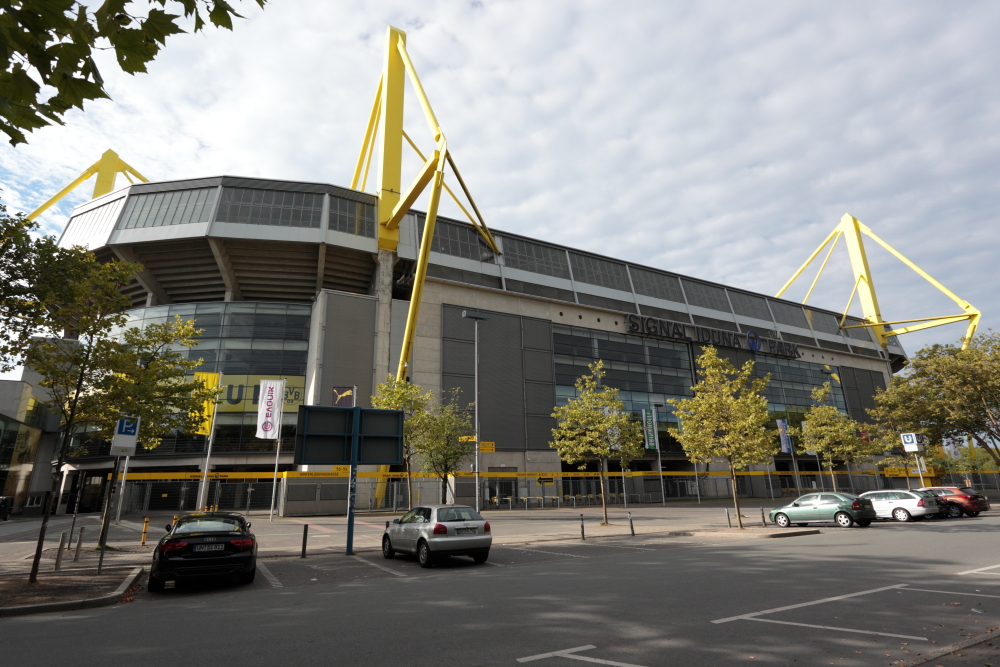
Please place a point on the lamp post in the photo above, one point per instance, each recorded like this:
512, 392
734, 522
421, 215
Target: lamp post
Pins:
476, 317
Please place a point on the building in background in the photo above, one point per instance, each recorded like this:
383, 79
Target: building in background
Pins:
282, 278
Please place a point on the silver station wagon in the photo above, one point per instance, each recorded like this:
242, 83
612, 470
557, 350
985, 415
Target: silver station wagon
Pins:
435, 532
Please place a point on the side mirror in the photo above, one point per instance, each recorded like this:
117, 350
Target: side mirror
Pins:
248, 525
795, 504
395, 520
169, 527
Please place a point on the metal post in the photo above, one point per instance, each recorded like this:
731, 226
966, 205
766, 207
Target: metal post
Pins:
145, 529
79, 543
630, 526
728, 519
250, 494
274, 486
770, 485
697, 484
476, 374
203, 500
352, 488
305, 537
795, 467
102, 542
762, 521
850, 477
819, 468
659, 460
920, 471
121, 493
624, 490
59, 553
583, 535
76, 509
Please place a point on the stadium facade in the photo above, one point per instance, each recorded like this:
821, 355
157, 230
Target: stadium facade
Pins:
284, 279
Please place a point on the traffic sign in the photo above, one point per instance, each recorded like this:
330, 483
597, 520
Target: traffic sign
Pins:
126, 434
912, 442
487, 447
544, 480
466, 438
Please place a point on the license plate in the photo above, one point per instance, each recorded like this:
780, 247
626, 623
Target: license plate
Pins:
466, 531
209, 547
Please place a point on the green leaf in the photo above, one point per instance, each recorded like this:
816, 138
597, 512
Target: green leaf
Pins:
159, 25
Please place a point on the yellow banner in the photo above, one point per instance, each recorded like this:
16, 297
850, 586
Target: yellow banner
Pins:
211, 381
240, 392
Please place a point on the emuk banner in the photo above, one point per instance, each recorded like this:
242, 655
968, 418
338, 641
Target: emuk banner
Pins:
269, 408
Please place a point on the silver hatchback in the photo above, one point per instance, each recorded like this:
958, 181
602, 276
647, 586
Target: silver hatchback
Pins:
436, 532
904, 505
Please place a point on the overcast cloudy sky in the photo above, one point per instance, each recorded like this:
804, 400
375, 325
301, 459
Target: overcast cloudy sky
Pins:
719, 140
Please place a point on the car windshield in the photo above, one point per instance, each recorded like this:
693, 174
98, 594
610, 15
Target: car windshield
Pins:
458, 514
208, 524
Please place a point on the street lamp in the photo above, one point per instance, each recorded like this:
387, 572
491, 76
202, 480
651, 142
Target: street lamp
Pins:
476, 317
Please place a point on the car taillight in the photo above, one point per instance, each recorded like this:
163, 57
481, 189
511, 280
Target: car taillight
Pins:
965, 497
440, 529
920, 503
173, 546
486, 528
856, 505
242, 542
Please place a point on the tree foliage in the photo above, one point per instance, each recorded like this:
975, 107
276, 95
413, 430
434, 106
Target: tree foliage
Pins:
413, 400
833, 435
595, 426
727, 418
443, 440
947, 392
48, 48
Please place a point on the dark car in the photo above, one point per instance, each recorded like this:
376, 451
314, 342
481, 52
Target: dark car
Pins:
203, 545
961, 499
6, 507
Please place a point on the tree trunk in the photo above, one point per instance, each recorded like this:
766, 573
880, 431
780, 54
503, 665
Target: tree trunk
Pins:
736, 494
47, 503
444, 490
604, 495
833, 477
409, 486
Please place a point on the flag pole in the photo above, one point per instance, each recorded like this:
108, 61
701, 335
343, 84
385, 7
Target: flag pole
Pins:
203, 500
277, 445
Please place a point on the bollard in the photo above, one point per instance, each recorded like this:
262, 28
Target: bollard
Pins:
386, 524
763, 522
583, 536
305, 538
145, 529
630, 526
62, 541
79, 543
728, 519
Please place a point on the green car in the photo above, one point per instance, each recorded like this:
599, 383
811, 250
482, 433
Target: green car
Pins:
844, 509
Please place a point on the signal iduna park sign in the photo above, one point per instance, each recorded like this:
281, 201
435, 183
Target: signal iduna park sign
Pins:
651, 326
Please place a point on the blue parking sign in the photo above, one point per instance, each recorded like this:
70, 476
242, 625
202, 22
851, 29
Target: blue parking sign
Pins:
128, 426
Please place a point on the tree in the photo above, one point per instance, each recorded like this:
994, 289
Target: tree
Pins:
51, 42
947, 392
832, 434
443, 440
727, 418
36, 275
396, 394
595, 426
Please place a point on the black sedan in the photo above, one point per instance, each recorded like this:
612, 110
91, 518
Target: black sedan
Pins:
205, 544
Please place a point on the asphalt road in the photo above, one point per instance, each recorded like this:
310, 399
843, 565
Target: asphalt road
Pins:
644, 601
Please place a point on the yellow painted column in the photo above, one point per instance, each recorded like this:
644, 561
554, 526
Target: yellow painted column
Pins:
390, 137
851, 228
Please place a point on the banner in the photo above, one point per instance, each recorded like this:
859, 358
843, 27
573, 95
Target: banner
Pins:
211, 381
786, 442
345, 397
269, 409
649, 428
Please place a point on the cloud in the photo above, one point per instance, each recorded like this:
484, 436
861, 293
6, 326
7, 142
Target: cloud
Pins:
720, 140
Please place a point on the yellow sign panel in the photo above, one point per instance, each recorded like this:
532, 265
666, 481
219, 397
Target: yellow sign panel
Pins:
466, 438
240, 392
211, 381
344, 470
487, 447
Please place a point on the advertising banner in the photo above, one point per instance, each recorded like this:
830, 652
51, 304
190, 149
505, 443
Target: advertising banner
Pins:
345, 397
786, 442
269, 409
211, 381
649, 428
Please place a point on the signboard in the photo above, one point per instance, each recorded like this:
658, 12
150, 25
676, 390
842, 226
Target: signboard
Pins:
269, 409
649, 428
786, 442
326, 436
487, 447
466, 438
345, 397
126, 434
912, 442
545, 480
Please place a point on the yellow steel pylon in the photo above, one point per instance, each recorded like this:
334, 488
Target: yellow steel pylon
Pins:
386, 124
107, 168
851, 229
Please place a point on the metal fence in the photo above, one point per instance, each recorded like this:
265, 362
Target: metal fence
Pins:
174, 496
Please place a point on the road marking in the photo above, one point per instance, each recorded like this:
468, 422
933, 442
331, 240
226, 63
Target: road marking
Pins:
381, 567
928, 590
315, 526
806, 604
830, 627
553, 553
991, 567
569, 653
616, 546
267, 575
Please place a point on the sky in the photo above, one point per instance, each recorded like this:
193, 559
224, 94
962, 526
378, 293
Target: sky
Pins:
723, 141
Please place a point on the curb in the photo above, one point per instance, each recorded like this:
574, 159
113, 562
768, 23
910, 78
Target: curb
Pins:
73, 605
746, 536
957, 646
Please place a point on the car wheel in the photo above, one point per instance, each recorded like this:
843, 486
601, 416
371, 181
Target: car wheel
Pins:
782, 520
900, 514
972, 514
481, 557
864, 523
954, 511
155, 584
844, 520
387, 550
248, 577
424, 556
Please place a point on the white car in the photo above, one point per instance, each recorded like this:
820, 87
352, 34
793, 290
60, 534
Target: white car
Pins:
435, 532
903, 505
